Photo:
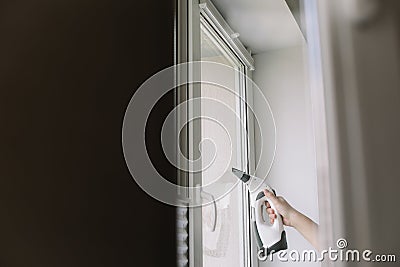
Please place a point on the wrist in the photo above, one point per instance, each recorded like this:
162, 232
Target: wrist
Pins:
296, 218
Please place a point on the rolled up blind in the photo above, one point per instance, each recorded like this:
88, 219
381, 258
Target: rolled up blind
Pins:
182, 236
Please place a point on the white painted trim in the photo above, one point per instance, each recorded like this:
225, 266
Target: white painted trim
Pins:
209, 11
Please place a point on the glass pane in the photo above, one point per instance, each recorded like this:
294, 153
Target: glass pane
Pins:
222, 231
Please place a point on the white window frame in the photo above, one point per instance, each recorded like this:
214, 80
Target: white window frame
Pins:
189, 16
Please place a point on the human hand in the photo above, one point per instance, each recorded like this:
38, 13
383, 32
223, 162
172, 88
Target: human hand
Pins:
291, 217
287, 212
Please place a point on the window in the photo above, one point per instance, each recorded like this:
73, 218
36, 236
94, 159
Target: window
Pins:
223, 222
219, 231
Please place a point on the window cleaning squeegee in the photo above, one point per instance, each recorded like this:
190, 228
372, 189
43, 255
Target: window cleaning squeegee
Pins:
271, 238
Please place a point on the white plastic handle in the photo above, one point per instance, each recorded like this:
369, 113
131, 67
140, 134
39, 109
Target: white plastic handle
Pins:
260, 208
271, 232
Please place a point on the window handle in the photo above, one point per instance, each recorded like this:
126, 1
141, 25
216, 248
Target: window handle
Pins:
211, 198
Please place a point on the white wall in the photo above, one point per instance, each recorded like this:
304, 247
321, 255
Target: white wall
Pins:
282, 77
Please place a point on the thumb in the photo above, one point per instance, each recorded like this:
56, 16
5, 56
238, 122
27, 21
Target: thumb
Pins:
271, 196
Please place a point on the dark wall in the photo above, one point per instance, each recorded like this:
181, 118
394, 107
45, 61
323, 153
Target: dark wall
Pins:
68, 68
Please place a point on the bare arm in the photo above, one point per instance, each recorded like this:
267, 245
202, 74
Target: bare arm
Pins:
292, 217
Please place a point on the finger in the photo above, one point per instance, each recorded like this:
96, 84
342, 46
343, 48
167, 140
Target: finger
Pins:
271, 196
272, 221
268, 205
270, 211
272, 216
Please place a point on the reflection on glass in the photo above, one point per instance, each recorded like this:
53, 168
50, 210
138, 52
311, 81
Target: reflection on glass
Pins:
222, 227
